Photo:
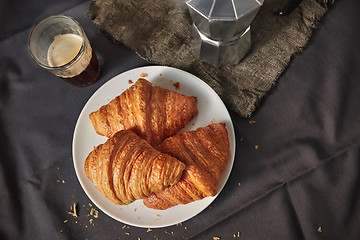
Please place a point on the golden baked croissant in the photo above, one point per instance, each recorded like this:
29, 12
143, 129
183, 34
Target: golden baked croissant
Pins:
153, 112
126, 167
205, 152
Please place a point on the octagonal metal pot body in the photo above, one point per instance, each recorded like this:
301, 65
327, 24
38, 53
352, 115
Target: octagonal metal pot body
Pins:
220, 53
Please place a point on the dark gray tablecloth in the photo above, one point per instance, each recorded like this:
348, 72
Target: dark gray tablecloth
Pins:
302, 182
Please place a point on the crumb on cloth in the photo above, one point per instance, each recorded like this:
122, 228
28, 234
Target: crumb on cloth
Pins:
73, 211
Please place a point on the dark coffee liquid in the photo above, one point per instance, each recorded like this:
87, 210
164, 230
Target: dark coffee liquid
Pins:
88, 76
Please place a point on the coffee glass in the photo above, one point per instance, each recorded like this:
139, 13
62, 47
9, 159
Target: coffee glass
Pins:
59, 44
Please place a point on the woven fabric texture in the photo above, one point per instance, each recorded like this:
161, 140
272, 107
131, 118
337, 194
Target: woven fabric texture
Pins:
159, 32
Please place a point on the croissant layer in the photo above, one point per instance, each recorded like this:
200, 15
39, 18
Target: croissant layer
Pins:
126, 167
151, 111
205, 152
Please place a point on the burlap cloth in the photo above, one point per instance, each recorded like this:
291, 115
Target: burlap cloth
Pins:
159, 32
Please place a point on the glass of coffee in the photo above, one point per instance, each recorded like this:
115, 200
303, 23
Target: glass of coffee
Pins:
59, 44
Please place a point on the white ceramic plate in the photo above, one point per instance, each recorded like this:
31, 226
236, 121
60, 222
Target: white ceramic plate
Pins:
210, 107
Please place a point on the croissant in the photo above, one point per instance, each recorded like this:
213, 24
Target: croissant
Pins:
205, 152
126, 167
153, 112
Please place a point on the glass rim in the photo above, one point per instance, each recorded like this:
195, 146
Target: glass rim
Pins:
78, 55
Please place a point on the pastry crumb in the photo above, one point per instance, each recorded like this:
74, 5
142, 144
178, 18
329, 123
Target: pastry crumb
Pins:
73, 210
252, 121
216, 238
319, 229
176, 85
143, 75
130, 81
256, 147
149, 230
94, 212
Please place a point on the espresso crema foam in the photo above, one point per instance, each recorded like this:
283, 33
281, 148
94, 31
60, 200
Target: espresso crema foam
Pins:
64, 49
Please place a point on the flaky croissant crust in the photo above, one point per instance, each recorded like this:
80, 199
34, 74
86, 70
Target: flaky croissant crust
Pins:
151, 111
126, 168
205, 152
